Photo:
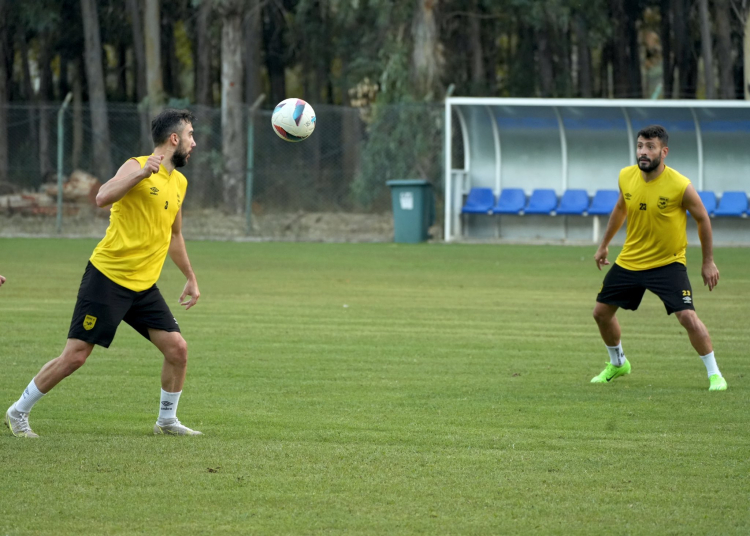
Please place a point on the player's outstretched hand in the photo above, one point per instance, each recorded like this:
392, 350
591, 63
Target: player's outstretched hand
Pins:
710, 274
601, 257
152, 165
2, 280
191, 289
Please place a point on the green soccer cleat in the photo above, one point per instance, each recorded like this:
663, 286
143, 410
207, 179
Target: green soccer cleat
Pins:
717, 383
611, 372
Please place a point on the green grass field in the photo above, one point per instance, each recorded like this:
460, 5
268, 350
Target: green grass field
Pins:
379, 389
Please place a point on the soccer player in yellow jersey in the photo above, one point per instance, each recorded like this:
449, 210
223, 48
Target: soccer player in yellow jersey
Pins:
654, 198
119, 282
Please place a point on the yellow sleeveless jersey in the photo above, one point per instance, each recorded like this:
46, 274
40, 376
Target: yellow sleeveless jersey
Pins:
133, 251
656, 220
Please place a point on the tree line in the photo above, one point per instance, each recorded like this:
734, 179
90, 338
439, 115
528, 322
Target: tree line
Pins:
228, 53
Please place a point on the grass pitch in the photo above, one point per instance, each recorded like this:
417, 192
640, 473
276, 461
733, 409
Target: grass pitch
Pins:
379, 389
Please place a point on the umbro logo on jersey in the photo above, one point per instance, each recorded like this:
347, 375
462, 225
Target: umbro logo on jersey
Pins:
154, 190
628, 196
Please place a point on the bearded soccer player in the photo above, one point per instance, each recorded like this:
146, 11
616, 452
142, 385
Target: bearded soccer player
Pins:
119, 282
654, 198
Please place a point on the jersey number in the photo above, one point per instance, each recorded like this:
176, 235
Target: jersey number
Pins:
642, 206
166, 205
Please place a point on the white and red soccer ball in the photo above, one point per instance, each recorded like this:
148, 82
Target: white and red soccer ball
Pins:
293, 120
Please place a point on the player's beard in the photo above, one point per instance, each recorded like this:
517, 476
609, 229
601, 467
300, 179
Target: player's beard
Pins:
650, 164
179, 157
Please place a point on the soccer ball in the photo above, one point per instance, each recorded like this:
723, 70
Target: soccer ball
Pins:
293, 120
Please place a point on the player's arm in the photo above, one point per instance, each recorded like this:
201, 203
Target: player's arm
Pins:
178, 253
616, 219
2, 280
129, 174
692, 202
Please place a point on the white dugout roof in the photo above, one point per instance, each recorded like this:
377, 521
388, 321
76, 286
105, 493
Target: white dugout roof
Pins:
583, 143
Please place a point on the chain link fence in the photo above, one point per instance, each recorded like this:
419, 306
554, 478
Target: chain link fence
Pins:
329, 187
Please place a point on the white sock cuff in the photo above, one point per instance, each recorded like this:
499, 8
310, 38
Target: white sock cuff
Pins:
711, 367
616, 355
168, 405
31, 395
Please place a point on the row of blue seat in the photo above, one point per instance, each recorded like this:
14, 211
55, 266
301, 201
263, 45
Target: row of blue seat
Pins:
576, 202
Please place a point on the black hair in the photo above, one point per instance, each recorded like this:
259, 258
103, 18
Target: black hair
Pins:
654, 131
168, 121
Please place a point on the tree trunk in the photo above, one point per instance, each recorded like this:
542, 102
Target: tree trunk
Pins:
28, 93
139, 51
708, 62
683, 52
621, 63
273, 32
233, 142
522, 77
45, 94
141, 86
546, 72
63, 84
4, 78
478, 80
585, 73
172, 85
724, 49
203, 55
77, 90
102, 161
634, 58
252, 34
152, 27
666, 49
427, 55
203, 190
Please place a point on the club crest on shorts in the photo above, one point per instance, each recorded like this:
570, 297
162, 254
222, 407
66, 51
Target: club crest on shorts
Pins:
89, 322
662, 204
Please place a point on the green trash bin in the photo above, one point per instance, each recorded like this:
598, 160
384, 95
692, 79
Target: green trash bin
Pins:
413, 210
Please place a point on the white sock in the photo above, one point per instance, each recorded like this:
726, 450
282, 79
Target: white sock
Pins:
168, 407
711, 367
616, 355
30, 396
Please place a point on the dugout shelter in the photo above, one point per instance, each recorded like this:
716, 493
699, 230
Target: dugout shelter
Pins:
546, 169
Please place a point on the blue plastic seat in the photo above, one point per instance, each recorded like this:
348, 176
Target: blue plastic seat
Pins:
542, 201
573, 202
479, 201
603, 203
511, 201
732, 204
709, 201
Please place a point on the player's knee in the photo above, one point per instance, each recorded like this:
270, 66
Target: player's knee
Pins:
178, 352
601, 316
689, 320
75, 359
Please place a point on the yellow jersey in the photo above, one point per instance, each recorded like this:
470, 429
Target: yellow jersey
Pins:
133, 251
656, 221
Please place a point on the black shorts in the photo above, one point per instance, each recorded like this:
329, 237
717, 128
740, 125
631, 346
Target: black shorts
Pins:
102, 304
625, 288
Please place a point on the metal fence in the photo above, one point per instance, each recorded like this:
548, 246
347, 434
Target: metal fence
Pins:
328, 187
